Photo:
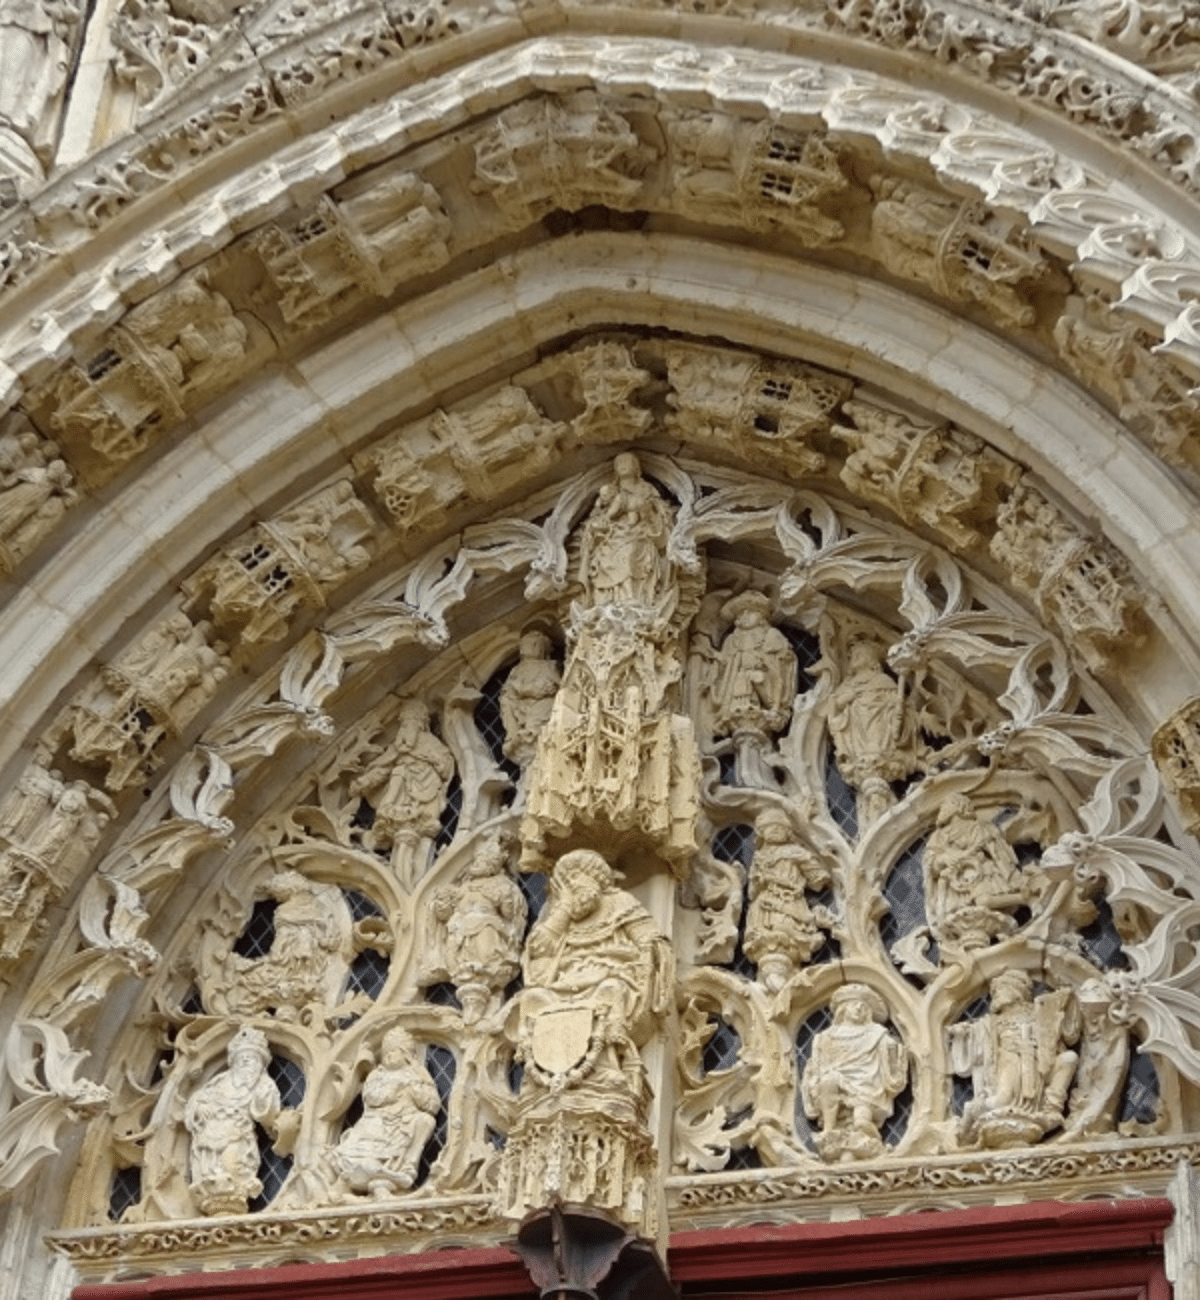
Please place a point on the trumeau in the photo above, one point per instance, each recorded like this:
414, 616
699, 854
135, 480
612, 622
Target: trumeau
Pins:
600, 602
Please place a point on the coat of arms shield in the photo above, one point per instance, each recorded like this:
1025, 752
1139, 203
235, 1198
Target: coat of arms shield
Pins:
560, 1037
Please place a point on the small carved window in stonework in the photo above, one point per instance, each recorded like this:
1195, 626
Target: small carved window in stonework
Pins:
450, 813
776, 390
773, 185
975, 254
256, 560
962, 1090
819, 1020
440, 1063
843, 807
791, 151
102, 363
721, 1050
1140, 1094
256, 939
126, 1190
135, 722
491, 728
273, 1169
312, 228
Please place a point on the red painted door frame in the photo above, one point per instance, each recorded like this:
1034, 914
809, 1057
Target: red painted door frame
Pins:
1049, 1250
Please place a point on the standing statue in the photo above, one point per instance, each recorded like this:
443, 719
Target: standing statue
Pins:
220, 1119
381, 1154
599, 978
309, 956
855, 1072
482, 919
782, 930
623, 556
407, 785
972, 879
527, 697
35, 57
1020, 1061
872, 730
754, 684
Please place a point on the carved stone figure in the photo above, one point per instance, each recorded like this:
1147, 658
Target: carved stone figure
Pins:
306, 964
1176, 749
36, 489
782, 930
927, 474
560, 152
972, 880
1080, 585
527, 697
615, 757
35, 57
393, 230
855, 1072
1020, 1060
48, 828
598, 982
498, 443
220, 1118
872, 730
482, 916
151, 692
407, 786
285, 564
954, 247
380, 1155
623, 551
754, 684
1103, 1062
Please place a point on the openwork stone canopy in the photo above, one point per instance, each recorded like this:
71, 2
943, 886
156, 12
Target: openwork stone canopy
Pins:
600, 604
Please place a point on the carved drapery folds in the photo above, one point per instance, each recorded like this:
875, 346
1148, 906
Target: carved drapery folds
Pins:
748, 770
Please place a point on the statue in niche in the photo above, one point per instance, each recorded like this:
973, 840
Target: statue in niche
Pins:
220, 1118
972, 879
782, 930
381, 1154
623, 553
615, 758
482, 920
754, 685
407, 785
599, 979
856, 1070
1020, 1060
527, 697
308, 958
872, 730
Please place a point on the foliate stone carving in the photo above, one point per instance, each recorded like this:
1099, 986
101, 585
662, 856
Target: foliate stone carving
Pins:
285, 564
615, 757
956, 248
161, 43
856, 1070
607, 379
379, 1154
872, 728
166, 358
565, 152
767, 411
303, 971
36, 489
48, 829
1020, 1060
783, 930
390, 231
1176, 749
481, 922
527, 697
406, 782
220, 1117
598, 983
469, 454
929, 475
149, 694
759, 176
1079, 584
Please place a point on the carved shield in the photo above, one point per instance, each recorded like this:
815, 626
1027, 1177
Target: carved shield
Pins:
560, 1038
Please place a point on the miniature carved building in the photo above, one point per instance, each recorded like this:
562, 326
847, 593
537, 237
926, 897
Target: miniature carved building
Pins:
601, 609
